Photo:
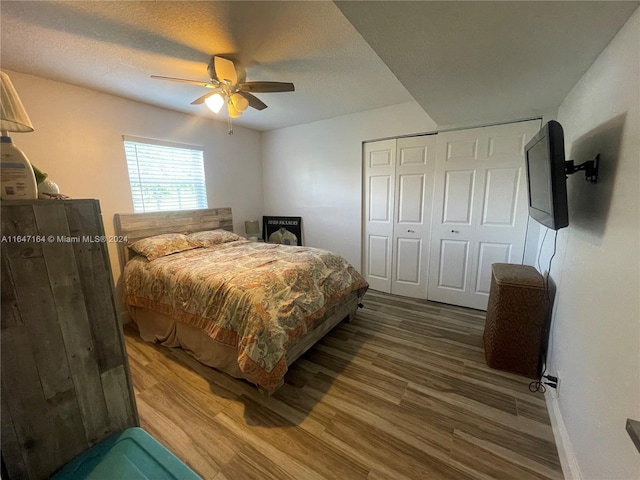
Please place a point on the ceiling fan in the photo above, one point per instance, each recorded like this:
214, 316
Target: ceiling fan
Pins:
227, 79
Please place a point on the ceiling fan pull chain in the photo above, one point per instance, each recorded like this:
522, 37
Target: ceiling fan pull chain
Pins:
229, 125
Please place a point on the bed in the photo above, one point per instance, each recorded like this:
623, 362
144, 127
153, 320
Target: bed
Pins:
249, 309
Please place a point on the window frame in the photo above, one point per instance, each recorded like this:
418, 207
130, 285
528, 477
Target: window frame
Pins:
189, 193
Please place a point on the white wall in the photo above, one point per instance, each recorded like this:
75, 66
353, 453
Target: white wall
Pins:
315, 171
78, 142
595, 338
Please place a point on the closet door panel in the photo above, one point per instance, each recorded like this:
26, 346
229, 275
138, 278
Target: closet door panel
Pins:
398, 196
379, 199
413, 204
480, 201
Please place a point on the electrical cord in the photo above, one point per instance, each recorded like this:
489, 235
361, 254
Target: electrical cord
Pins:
539, 385
555, 246
542, 245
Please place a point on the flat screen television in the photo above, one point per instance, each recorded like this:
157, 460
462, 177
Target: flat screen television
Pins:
546, 178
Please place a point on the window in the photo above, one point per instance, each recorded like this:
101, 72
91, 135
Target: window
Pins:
165, 176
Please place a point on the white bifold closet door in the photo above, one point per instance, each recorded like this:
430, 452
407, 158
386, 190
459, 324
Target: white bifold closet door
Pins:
480, 209
398, 203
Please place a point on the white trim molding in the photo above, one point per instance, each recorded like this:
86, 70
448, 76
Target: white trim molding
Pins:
568, 460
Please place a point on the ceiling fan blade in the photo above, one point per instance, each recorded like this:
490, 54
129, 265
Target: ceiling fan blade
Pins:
225, 69
201, 99
267, 87
254, 102
183, 80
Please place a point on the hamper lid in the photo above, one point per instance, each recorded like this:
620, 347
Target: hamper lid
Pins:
517, 275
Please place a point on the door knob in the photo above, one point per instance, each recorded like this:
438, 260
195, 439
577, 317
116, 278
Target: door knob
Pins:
411, 231
455, 231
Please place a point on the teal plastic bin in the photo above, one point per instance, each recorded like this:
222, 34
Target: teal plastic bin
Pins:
132, 455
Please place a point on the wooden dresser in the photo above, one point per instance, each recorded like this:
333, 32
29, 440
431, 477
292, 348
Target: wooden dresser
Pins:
65, 375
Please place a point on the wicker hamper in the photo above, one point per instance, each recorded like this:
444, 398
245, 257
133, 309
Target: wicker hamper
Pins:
516, 317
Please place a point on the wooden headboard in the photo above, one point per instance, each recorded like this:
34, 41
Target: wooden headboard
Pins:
135, 226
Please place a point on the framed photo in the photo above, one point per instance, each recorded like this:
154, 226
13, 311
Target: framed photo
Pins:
282, 230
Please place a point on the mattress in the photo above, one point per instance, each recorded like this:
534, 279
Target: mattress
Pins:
255, 299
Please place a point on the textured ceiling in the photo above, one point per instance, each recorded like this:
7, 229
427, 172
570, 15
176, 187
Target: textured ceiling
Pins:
483, 62
464, 62
115, 46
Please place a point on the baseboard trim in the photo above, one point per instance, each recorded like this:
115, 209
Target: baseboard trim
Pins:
568, 460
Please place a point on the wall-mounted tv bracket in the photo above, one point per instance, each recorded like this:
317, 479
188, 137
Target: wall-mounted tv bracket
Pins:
590, 168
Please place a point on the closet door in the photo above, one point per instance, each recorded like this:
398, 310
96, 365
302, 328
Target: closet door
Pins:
379, 193
480, 209
412, 215
398, 202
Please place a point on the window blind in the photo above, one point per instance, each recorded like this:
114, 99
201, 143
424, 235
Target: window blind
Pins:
165, 176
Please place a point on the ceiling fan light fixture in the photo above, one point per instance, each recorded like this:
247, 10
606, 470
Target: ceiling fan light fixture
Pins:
215, 102
228, 79
240, 103
233, 111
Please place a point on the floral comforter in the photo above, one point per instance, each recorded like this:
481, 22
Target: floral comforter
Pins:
257, 297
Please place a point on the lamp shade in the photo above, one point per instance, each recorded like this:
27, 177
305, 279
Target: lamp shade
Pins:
13, 117
233, 111
214, 102
252, 227
239, 102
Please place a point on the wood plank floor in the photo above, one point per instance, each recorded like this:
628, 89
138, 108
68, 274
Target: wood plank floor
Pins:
402, 392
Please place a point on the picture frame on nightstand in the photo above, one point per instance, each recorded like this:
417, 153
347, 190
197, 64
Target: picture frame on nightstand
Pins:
282, 230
